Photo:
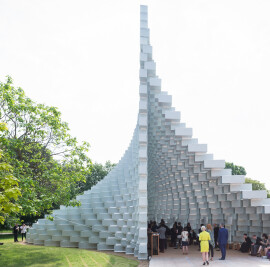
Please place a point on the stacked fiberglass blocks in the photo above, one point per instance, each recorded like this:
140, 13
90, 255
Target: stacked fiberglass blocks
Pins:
165, 173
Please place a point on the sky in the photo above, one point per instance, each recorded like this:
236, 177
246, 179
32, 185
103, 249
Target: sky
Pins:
83, 57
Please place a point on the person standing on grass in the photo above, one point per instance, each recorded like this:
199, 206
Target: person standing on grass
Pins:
185, 235
222, 240
204, 238
15, 232
23, 231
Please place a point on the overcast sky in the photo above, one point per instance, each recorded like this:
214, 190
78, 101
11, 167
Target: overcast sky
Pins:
83, 57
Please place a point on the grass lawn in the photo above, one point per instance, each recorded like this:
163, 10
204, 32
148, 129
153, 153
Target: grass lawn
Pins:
20, 255
6, 231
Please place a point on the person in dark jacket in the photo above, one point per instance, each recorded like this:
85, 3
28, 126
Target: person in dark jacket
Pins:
246, 245
174, 233
222, 240
15, 232
216, 229
256, 242
194, 237
154, 227
179, 236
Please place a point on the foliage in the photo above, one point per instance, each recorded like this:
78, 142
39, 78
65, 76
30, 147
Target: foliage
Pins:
236, 170
18, 255
257, 185
98, 172
239, 170
46, 159
9, 191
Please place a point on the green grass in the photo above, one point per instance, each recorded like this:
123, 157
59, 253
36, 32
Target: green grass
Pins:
6, 231
20, 255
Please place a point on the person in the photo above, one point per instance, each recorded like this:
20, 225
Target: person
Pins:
174, 233
200, 229
189, 230
188, 227
23, 231
256, 242
162, 238
154, 227
212, 241
204, 238
263, 244
179, 236
193, 237
245, 246
222, 240
216, 229
15, 232
167, 233
267, 246
185, 235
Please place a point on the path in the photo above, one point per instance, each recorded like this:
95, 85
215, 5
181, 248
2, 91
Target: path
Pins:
174, 258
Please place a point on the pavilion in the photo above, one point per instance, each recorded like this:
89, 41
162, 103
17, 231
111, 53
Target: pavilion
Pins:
164, 174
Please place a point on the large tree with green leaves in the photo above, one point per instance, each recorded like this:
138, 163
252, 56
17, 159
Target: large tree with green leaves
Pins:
46, 159
9, 190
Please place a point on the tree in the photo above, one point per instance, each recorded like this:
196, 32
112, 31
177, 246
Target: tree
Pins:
46, 159
9, 191
236, 170
256, 185
239, 170
98, 172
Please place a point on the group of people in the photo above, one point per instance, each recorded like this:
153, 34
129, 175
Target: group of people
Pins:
19, 229
255, 245
207, 242
208, 238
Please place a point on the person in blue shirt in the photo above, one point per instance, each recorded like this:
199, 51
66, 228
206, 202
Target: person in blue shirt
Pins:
222, 240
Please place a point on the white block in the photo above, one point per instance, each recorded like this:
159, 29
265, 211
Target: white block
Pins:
214, 164
200, 148
255, 194
233, 179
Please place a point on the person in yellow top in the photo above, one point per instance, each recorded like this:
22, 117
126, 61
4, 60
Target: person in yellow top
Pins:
204, 239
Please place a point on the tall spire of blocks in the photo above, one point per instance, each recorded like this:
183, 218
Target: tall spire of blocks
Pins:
164, 174
113, 214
